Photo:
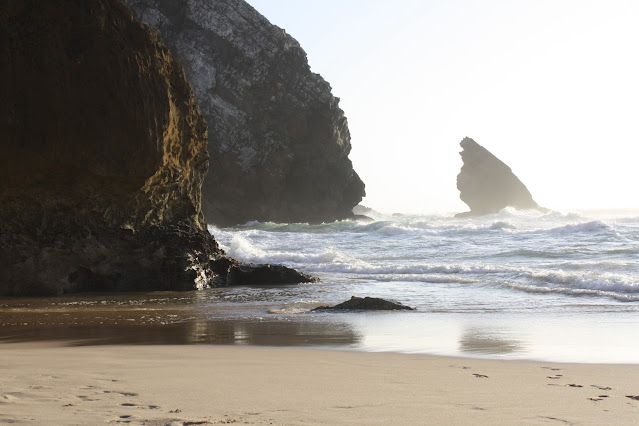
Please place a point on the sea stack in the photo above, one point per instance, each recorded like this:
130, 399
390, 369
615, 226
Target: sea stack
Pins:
102, 156
279, 142
487, 185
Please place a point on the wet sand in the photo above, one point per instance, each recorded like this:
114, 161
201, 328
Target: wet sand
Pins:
45, 383
265, 319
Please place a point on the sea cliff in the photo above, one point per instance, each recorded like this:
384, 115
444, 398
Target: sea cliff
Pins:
278, 140
102, 157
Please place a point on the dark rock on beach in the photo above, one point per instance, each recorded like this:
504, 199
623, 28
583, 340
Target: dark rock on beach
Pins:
247, 274
487, 185
365, 304
102, 156
278, 140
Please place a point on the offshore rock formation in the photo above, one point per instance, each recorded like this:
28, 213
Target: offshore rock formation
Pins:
488, 185
102, 156
279, 142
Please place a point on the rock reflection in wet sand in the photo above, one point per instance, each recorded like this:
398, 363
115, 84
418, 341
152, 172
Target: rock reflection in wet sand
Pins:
249, 332
488, 342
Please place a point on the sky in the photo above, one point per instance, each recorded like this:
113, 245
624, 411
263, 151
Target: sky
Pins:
551, 87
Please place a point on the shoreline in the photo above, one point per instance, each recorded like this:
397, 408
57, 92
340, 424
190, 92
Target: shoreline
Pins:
588, 339
49, 383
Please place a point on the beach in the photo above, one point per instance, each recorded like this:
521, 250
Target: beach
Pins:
520, 319
47, 383
186, 222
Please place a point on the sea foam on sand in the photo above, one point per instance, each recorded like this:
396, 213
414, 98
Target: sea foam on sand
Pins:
156, 385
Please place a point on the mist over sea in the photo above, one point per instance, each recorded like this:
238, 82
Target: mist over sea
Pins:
513, 285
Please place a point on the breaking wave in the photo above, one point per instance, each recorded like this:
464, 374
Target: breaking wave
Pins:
530, 252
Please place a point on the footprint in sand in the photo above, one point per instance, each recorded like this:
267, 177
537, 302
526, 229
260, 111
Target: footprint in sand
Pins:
635, 397
480, 376
572, 385
86, 398
555, 377
551, 368
8, 397
606, 388
125, 418
130, 404
122, 393
555, 419
12, 396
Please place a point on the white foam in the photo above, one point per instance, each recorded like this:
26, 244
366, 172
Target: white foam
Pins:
502, 225
242, 249
541, 253
569, 291
589, 280
594, 226
468, 273
332, 261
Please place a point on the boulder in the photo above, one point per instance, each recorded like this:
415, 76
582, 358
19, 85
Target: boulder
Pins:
278, 140
102, 156
487, 185
365, 304
248, 274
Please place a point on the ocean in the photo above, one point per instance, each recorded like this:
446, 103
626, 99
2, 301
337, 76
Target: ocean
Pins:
561, 286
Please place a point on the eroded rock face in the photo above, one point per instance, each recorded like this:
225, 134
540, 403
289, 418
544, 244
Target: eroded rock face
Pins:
278, 140
488, 185
102, 155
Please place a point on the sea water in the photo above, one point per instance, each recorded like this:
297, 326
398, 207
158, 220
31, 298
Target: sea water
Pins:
560, 286
515, 285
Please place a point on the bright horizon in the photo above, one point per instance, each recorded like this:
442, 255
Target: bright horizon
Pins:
549, 87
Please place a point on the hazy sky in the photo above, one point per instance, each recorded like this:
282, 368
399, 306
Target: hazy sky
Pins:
549, 87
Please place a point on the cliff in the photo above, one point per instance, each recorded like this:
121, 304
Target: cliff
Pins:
102, 156
279, 142
487, 185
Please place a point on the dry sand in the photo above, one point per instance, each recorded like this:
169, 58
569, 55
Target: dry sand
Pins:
255, 385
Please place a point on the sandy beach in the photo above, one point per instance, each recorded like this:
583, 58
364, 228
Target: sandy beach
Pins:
206, 384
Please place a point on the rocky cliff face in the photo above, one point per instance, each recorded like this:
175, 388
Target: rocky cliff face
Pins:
279, 142
488, 185
102, 155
